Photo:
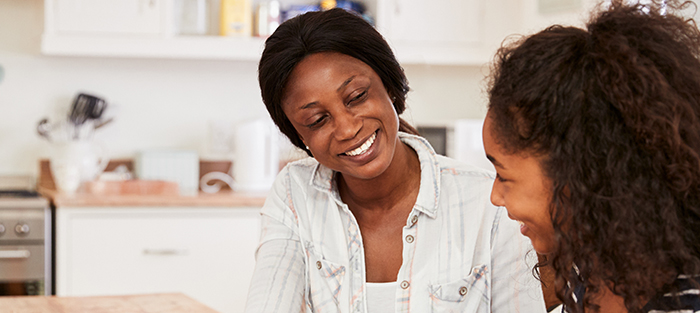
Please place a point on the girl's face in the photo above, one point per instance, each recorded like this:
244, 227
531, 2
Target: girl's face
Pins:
523, 189
341, 110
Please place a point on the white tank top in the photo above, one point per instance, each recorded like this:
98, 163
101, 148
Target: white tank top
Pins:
381, 297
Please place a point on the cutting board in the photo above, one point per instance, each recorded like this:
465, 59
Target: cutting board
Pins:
150, 303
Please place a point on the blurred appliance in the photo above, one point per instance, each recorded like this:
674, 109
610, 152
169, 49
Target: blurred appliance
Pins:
25, 238
468, 145
437, 136
257, 155
460, 140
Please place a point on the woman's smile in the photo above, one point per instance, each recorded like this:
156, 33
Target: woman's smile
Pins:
363, 148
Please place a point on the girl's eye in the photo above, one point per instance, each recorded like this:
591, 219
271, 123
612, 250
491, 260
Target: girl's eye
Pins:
359, 97
500, 178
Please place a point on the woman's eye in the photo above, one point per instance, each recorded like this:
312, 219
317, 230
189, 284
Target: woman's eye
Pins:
317, 122
359, 97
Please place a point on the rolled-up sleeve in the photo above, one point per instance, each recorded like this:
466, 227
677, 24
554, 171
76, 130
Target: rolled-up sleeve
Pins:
512, 258
278, 281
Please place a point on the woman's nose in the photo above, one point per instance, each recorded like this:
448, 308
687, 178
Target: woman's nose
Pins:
347, 125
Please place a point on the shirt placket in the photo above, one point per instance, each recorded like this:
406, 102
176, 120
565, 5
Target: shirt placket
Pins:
403, 293
356, 262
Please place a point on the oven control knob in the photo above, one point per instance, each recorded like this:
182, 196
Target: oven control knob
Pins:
2, 229
22, 229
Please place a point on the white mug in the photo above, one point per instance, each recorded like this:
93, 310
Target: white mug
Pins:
74, 162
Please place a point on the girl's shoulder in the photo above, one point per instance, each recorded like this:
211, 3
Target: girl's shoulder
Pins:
684, 296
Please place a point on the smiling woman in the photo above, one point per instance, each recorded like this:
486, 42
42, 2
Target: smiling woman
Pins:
375, 221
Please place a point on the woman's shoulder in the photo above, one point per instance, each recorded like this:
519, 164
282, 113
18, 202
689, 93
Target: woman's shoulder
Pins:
456, 167
298, 172
301, 165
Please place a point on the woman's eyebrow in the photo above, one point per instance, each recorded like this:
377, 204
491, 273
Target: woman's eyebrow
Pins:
308, 105
345, 83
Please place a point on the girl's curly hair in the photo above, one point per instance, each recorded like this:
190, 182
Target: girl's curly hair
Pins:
614, 111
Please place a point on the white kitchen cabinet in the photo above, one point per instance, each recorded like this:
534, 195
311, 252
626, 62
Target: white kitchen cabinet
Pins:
448, 32
434, 32
205, 253
100, 17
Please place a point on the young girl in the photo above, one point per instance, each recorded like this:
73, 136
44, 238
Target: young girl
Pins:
595, 136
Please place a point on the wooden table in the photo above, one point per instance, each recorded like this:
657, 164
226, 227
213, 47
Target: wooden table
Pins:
150, 303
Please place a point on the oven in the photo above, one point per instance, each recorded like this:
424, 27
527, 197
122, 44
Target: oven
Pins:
25, 239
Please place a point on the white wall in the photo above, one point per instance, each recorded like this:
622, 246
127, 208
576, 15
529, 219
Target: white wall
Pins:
169, 103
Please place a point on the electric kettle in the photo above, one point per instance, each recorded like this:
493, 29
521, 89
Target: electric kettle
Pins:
257, 155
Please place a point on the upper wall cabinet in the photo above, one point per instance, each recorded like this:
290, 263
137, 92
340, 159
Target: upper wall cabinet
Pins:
124, 17
132, 28
433, 32
448, 32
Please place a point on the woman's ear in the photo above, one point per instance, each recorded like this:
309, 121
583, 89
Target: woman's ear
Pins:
304, 142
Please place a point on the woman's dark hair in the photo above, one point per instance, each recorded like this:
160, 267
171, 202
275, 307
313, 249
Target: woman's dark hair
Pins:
613, 111
334, 30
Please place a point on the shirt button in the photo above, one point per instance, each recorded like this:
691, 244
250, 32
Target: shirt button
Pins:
409, 239
318, 265
404, 285
462, 291
414, 220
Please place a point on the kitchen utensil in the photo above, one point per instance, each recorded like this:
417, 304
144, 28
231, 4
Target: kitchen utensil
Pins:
85, 107
44, 129
103, 123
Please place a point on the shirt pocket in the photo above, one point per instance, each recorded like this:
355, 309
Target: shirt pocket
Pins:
325, 283
464, 295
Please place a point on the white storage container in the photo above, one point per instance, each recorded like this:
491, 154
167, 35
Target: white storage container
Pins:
180, 166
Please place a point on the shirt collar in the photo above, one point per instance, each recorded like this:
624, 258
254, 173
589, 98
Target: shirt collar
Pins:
429, 193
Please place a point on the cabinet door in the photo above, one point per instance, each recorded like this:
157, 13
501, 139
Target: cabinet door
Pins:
207, 254
434, 32
436, 21
126, 17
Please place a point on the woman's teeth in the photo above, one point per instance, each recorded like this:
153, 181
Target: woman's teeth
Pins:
364, 147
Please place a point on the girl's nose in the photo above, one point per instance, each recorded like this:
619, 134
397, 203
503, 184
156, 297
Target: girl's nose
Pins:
497, 194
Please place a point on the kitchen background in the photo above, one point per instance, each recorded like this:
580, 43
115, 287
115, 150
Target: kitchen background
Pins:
169, 92
174, 103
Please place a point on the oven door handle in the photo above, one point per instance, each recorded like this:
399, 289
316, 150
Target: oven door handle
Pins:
14, 254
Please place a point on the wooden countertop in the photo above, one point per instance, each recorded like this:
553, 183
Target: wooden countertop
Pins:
150, 303
84, 198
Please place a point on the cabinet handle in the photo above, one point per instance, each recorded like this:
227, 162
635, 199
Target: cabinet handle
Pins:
14, 254
164, 252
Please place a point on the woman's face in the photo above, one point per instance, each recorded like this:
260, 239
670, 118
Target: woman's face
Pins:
341, 110
523, 189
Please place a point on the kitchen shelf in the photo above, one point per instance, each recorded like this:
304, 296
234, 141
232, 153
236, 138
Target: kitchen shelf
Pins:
231, 48
174, 47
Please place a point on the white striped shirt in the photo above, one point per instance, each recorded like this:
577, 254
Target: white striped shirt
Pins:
460, 253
